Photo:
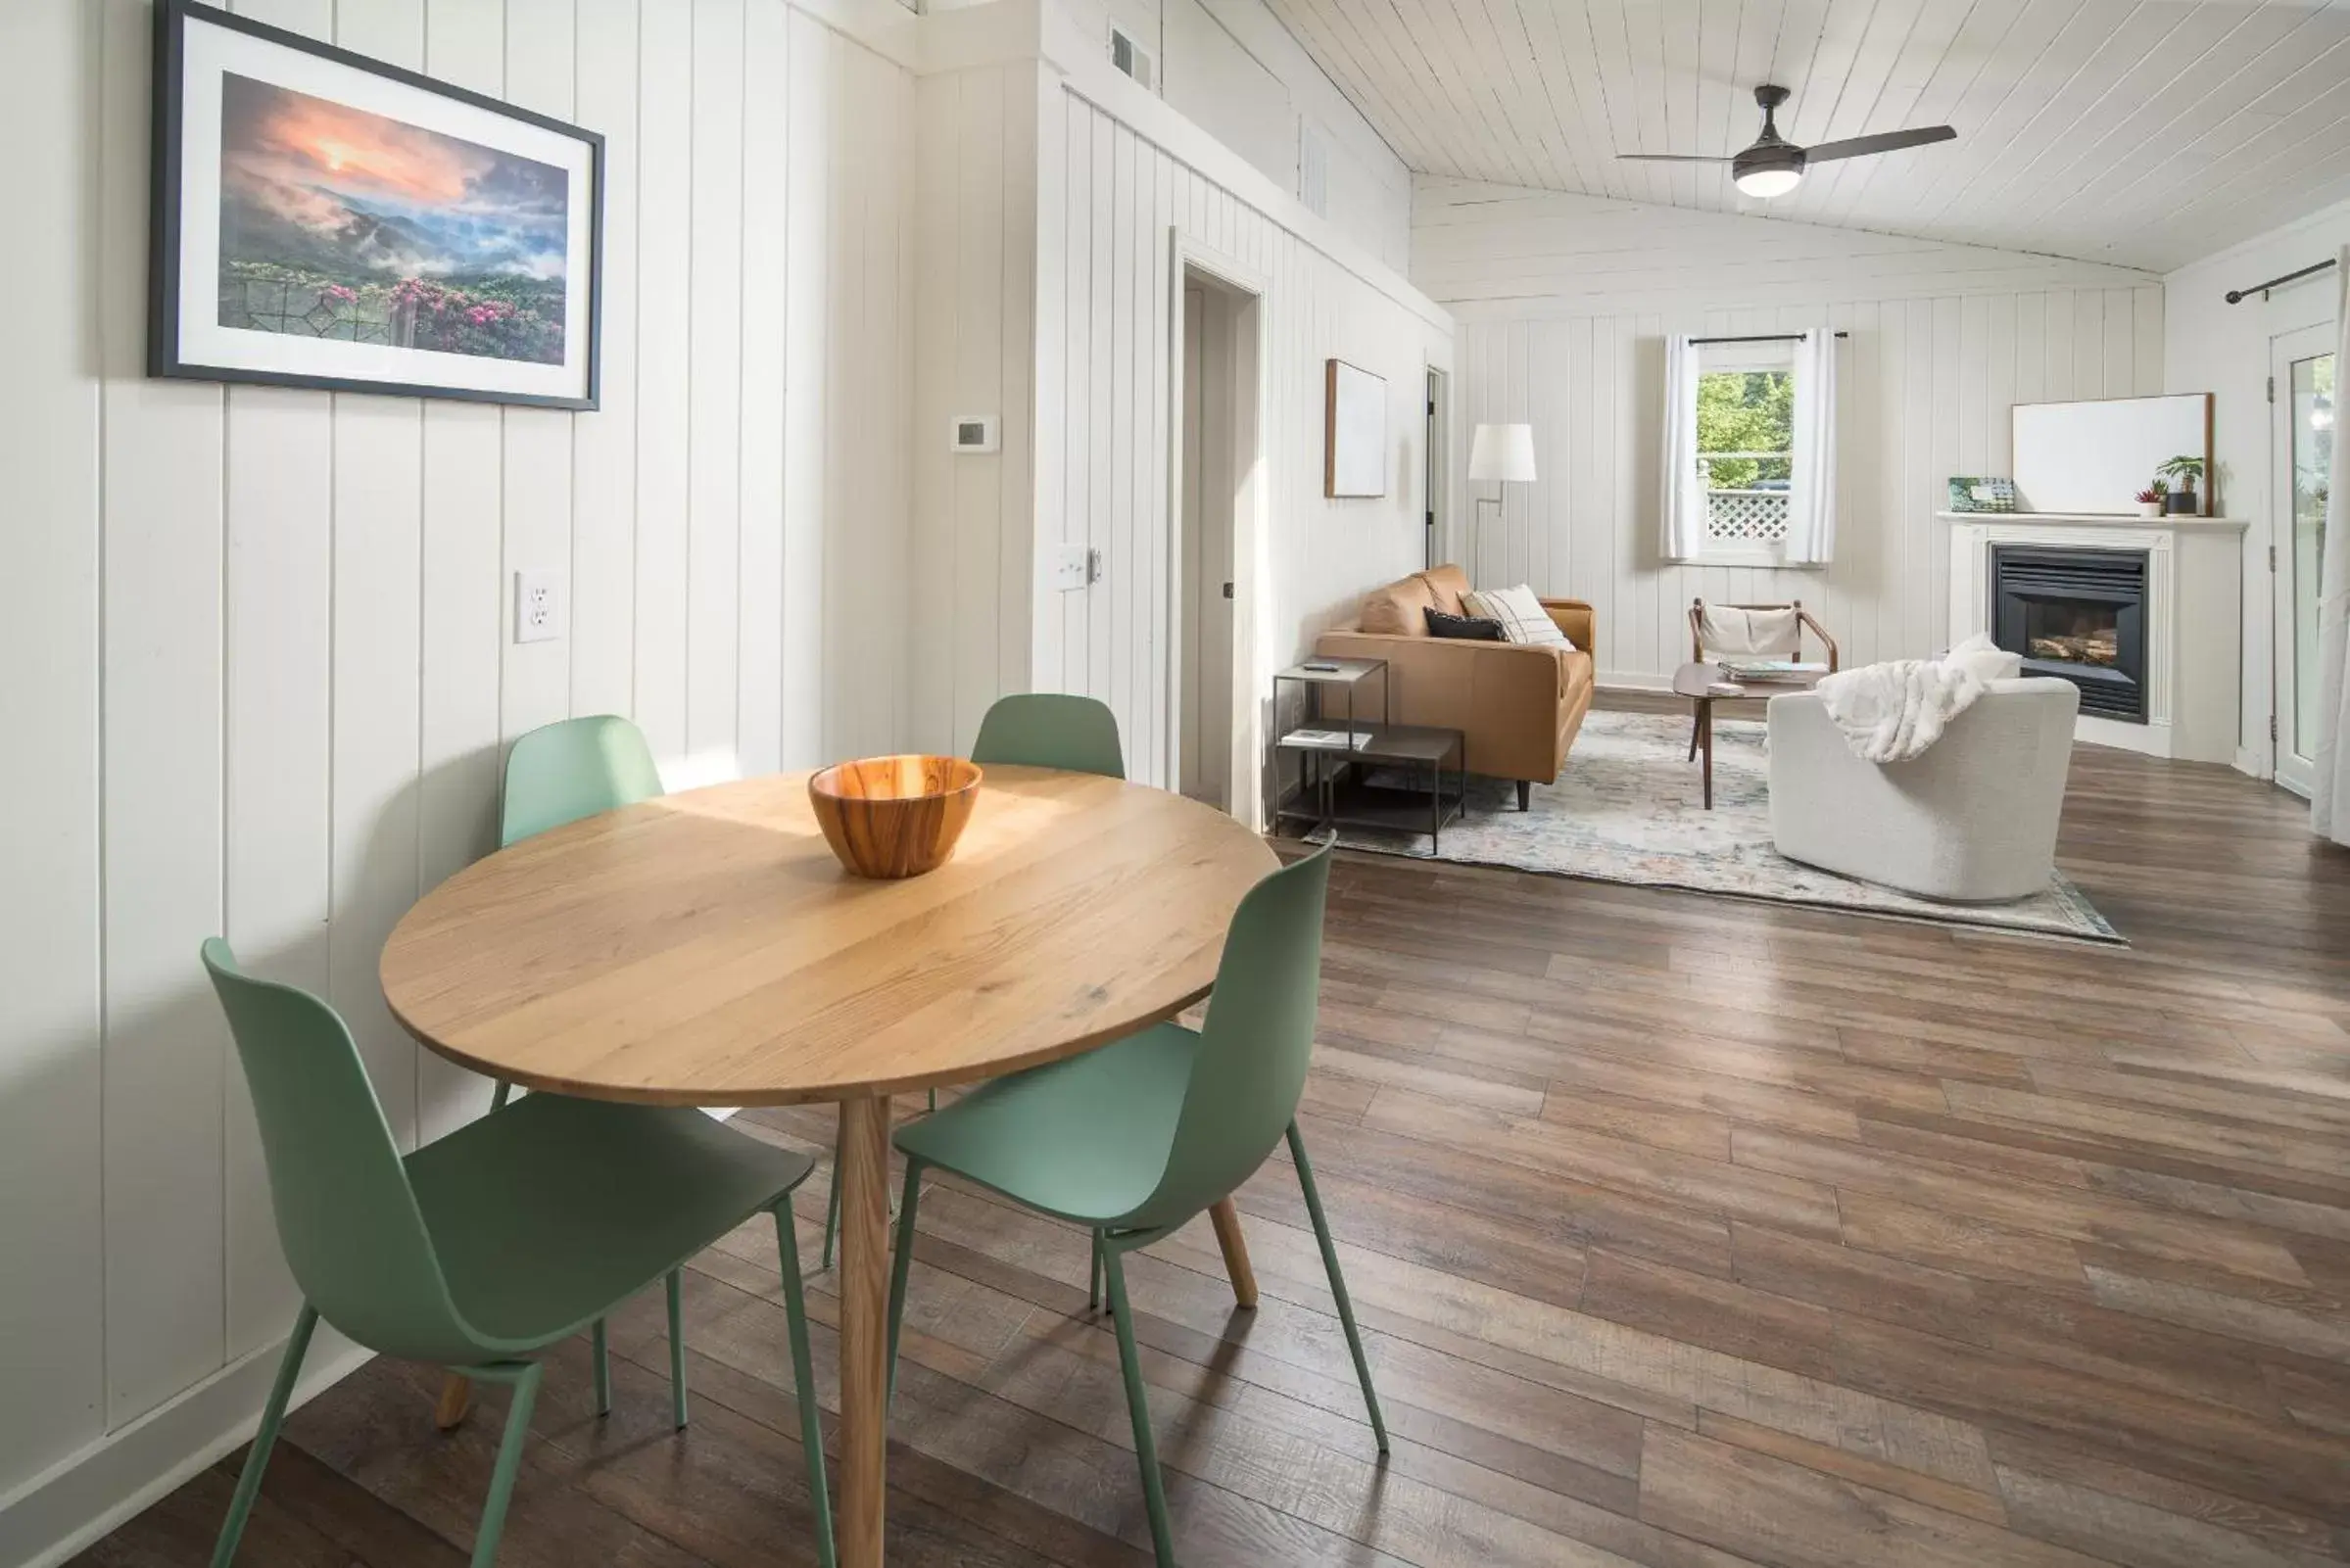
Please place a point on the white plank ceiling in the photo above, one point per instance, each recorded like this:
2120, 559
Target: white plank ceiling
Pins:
2143, 132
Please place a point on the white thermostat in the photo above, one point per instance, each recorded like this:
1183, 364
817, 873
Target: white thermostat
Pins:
972, 432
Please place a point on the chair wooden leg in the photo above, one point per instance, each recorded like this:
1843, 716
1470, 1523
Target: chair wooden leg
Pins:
456, 1398
273, 1416
803, 1380
1329, 1263
1146, 1450
1695, 725
1226, 1220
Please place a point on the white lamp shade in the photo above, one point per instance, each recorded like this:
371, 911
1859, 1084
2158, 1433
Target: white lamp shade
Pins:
1502, 451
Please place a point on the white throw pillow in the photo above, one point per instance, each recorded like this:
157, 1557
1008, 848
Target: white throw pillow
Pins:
1522, 617
1985, 659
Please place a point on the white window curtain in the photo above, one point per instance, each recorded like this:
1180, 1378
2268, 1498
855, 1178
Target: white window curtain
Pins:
1684, 491
2330, 802
1811, 494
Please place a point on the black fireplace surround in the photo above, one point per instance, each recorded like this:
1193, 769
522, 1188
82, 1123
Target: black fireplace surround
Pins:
2076, 614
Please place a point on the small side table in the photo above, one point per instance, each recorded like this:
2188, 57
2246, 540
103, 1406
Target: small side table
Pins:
1696, 681
1335, 803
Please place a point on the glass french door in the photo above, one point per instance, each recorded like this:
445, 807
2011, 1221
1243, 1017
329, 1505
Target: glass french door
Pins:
2303, 415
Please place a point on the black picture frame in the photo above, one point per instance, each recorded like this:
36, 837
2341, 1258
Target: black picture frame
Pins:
164, 336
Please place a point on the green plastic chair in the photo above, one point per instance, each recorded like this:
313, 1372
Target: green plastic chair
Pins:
1050, 730
574, 768
481, 1250
565, 770
1035, 730
1134, 1140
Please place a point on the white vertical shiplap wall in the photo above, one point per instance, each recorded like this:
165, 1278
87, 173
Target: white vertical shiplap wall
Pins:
1564, 303
258, 639
974, 268
1115, 172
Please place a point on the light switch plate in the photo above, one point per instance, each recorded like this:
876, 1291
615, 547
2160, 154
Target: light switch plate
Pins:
1071, 567
540, 610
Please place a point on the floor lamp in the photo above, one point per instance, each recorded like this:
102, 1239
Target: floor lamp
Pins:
1502, 455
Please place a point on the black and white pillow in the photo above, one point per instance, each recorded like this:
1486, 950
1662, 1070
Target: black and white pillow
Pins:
1464, 627
1520, 614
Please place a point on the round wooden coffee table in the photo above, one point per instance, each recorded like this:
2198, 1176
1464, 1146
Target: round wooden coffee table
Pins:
706, 949
1697, 682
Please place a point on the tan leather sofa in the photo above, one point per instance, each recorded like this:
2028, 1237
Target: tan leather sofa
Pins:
1519, 707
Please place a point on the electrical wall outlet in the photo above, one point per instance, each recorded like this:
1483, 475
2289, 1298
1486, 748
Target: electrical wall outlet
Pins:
540, 611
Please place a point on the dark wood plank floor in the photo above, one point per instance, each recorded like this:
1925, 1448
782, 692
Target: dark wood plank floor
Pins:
1687, 1233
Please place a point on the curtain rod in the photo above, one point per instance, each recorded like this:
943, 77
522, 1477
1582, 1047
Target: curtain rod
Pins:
1778, 337
2237, 295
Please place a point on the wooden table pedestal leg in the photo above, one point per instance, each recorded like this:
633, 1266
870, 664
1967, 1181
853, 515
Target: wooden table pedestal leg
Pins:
1705, 723
864, 1327
1226, 1220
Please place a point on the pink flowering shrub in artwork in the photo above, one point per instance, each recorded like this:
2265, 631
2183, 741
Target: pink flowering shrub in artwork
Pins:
484, 318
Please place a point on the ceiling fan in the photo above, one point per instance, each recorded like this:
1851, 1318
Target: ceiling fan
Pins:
1774, 165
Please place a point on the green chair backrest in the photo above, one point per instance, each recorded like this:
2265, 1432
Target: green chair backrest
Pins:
575, 768
1254, 1045
1051, 729
346, 1216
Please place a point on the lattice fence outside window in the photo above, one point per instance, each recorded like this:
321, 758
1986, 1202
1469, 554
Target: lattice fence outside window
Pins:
1746, 516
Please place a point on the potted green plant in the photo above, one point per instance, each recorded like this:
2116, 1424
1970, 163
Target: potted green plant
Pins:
2185, 474
2150, 498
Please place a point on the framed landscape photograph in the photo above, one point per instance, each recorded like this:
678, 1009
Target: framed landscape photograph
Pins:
322, 219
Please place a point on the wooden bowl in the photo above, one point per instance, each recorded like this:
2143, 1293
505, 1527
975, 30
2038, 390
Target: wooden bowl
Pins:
894, 816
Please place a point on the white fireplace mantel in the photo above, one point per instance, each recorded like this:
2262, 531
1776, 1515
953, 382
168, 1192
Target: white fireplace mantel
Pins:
2194, 643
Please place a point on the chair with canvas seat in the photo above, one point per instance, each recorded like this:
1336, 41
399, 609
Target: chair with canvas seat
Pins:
482, 1250
1750, 632
1134, 1140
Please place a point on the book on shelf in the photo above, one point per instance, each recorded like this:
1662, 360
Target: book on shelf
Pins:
1770, 668
1329, 740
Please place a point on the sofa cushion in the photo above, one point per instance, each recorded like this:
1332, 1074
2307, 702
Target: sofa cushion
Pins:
1400, 609
1447, 582
1522, 617
1465, 628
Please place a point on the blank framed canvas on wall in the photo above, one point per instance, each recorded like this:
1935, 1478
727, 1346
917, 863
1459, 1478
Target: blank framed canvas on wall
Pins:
1354, 432
2095, 456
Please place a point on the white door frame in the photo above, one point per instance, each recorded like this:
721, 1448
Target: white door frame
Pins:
2284, 347
1436, 384
1249, 291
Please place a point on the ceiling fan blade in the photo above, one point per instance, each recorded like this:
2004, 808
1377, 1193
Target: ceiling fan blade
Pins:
1669, 158
1884, 141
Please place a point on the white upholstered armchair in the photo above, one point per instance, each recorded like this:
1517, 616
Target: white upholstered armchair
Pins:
1971, 821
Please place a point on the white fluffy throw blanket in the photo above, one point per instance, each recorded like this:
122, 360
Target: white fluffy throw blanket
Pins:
1891, 712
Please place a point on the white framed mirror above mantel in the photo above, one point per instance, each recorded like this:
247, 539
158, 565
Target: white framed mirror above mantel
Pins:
2143, 613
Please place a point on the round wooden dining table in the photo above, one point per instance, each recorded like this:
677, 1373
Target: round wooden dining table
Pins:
706, 949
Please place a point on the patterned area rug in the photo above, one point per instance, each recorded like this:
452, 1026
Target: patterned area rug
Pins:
1629, 809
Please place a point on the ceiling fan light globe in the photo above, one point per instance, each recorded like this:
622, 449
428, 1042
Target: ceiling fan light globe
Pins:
1765, 183
1768, 168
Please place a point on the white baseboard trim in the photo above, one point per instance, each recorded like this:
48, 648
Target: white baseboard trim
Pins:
1631, 680
77, 1501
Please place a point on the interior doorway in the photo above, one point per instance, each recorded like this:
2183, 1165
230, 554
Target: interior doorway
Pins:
1215, 473
2302, 415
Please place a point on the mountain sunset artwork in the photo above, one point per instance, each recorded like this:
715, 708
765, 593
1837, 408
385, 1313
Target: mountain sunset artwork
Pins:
337, 222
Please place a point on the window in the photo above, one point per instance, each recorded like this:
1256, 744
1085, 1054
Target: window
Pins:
1745, 445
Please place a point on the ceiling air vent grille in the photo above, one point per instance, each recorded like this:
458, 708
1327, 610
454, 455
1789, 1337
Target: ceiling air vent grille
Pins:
1127, 55
1312, 171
